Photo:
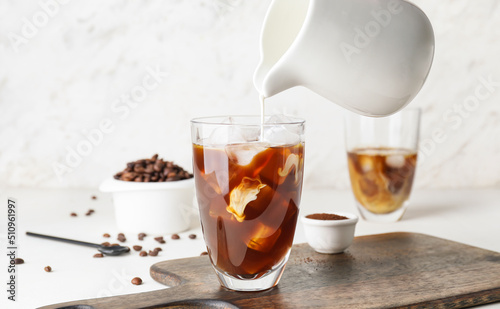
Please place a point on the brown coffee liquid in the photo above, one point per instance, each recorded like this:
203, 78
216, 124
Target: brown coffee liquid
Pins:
381, 178
248, 207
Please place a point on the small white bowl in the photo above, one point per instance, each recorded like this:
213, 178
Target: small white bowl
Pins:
330, 236
151, 207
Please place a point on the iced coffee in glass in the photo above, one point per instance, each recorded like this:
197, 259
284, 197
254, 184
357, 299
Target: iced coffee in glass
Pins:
382, 159
248, 179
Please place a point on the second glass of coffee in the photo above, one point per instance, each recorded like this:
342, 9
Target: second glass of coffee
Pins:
382, 158
248, 179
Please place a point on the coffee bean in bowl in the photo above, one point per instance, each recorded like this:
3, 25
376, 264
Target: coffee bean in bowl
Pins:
152, 196
152, 170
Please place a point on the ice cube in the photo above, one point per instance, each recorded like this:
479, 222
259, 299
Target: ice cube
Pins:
278, 119
263, 238
224, 135
367, 163
243, 194
281, 133
227, 133
243, 154
211, 180
256, 208
249, 133
368, 186
218, 182
395, 186
395, 161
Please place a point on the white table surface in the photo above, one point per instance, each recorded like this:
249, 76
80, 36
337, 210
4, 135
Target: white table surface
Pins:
467, 216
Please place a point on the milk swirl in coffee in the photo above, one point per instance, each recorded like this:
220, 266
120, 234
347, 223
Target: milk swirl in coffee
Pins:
382, 178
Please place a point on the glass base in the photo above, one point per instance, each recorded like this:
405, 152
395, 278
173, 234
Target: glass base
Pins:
382, 218
265, 282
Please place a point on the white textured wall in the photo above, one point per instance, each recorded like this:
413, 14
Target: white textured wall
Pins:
71, 75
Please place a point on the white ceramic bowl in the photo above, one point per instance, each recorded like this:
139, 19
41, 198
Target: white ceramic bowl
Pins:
152, 207
330, 236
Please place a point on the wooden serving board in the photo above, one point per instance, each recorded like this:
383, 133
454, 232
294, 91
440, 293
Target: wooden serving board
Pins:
378, 271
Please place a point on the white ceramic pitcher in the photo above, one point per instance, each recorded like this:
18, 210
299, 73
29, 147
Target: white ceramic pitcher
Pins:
369, 56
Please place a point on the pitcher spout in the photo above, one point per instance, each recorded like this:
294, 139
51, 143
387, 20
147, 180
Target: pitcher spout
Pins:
283, 23
277, 80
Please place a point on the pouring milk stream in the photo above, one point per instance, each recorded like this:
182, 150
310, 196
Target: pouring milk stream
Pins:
370, 56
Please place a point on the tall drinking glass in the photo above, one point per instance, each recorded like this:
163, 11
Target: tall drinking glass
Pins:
248, 184
382, 157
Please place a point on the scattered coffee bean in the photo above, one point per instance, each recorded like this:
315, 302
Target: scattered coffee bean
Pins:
106, 235
88, 213
48, 269
137, 281
141, 236
73, 214
137, 248
158, 249
98, 255
114, 245
160, 239
192, 236
204, 253
175, 236
94, 197
143, 253
106, 244
18, 261
152, 170
121, 237
153, 253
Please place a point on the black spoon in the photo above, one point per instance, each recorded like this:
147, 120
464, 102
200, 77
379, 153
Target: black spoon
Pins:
108, 250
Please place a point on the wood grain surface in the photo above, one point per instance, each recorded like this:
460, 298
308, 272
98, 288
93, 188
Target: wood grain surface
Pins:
395, 270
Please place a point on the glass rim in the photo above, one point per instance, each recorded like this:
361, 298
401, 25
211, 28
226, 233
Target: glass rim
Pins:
217, 120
